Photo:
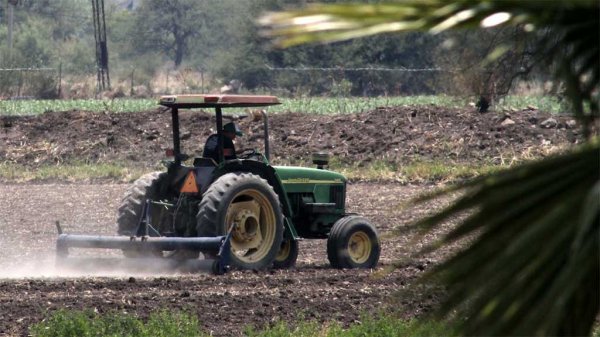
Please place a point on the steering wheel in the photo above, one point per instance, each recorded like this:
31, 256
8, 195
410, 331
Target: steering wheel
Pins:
247, 153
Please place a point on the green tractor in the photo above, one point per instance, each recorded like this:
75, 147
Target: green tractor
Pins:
258, 211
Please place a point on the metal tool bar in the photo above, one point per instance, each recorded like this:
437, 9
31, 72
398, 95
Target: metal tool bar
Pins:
66, 241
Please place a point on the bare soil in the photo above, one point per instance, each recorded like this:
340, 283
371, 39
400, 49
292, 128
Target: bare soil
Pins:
397, 135
31, 287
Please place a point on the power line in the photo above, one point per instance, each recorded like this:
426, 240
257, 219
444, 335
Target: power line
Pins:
383, 69
27, 69
54, 12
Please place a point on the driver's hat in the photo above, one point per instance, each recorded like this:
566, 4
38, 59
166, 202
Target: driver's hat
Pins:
232, 127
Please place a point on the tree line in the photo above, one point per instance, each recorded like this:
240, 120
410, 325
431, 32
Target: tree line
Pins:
220, 40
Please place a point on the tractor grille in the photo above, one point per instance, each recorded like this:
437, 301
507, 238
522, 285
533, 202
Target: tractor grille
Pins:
337, 195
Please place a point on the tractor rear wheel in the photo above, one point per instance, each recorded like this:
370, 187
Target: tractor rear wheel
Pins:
287, 255
250, 203
132, 207
353, 243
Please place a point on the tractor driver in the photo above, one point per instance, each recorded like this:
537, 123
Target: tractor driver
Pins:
230, 131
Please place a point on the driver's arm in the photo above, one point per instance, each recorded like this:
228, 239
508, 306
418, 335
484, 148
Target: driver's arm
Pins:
228, 149
229, 153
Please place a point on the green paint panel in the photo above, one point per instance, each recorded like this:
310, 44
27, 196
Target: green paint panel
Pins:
309, 180
292, 175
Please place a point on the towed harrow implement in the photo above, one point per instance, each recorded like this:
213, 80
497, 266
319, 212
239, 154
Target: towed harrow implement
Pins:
147, 241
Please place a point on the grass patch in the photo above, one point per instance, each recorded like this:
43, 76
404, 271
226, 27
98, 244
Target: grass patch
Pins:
543, 103
313, 105
70, 172
384, 326
165, 323
90, 324
415, 172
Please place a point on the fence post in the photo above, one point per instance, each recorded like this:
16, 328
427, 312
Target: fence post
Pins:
202, 79
59, 93
167, 84
131, 90
19, 87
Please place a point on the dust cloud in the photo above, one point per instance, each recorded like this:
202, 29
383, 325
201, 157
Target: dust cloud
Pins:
87, 266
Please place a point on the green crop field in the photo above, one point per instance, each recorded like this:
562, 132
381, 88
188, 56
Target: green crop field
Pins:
36, 107
316, 105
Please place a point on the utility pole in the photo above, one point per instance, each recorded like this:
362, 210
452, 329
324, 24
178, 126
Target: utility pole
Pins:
101, 46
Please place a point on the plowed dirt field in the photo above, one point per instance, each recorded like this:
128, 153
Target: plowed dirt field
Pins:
31, 287
398, 135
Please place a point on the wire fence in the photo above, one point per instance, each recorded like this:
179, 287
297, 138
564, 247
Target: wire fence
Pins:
25, 83
298, 81
368, 80
357, 69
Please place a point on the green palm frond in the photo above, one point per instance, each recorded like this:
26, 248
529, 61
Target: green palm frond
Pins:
534, 263
335, 22
573, 42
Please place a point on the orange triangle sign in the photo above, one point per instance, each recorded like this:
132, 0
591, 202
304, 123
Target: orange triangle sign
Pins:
189, 185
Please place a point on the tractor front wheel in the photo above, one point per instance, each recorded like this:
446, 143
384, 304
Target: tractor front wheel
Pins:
246, 205
353, 243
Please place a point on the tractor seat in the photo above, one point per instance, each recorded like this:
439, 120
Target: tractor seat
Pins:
204, 162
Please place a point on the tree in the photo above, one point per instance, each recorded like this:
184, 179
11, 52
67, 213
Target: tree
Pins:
468, 70
169, 25
310, 69
533, 262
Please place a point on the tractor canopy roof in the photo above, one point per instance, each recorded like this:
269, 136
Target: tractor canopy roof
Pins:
217, 101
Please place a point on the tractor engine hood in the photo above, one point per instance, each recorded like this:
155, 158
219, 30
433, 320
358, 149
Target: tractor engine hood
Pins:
304, 175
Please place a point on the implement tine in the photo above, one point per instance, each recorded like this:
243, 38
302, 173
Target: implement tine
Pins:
58, 227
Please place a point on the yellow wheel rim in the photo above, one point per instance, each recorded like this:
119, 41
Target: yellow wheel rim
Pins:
284, 250
359, 247
255, 225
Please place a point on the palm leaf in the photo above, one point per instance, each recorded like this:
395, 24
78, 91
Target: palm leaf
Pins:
535, 249
334, 22
533, 263
573, 42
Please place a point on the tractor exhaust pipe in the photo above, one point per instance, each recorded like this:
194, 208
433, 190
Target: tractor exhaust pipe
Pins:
266, 133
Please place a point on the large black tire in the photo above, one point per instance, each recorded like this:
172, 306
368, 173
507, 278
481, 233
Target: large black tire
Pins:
132, 207
287, 255
353, 243
251, 203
